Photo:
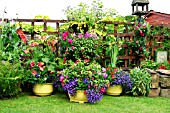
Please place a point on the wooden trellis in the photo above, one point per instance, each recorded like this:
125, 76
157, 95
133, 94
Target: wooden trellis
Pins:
128, 58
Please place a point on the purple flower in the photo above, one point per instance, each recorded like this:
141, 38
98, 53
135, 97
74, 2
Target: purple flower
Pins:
86, 35
37, 75
104, 75
140, 48
103, 70
80, 35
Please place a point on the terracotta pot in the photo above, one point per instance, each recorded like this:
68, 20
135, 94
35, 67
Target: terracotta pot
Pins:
114, 90
43, 89
79, 97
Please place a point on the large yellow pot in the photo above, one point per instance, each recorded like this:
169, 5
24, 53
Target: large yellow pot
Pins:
43, 89
114, 90
79, 97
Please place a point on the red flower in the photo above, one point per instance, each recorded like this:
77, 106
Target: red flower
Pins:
85, 92
22, 35
32, 64
162, 67
102, 90
113, 76
34, 72
40, 64
62, 84
169, 61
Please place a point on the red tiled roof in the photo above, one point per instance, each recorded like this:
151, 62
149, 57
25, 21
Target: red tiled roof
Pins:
157, 18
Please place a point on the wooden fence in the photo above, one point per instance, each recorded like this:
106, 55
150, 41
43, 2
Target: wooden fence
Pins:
128, 59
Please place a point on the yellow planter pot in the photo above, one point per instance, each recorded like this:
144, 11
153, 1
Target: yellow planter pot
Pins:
43, 89
114, 90
79, 97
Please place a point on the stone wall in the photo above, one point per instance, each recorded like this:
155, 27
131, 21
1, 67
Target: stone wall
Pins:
160, 83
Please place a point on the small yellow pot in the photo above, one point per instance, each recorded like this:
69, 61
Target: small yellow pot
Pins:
43, 89
114, 90
79, 97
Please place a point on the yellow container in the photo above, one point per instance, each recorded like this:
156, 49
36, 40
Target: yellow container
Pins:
79, 97
114, 90
43, 89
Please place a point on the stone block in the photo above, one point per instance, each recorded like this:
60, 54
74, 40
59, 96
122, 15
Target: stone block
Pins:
154, 92
165, 81
155, 80
165, 93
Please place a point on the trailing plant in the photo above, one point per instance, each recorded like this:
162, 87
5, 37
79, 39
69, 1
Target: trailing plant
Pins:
84, 75
141, 81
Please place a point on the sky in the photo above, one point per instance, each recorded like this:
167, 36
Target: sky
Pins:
54, 8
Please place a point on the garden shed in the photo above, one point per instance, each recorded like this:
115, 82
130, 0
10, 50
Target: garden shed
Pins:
154, 17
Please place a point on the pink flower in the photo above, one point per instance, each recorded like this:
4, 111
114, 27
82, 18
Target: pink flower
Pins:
26, 51
103, 70
61, 78
34, 44
65, 35
70, 41
137, 27
80, 35
54, 42
140, 31
86, 35
137, 41
72, 47
104, 75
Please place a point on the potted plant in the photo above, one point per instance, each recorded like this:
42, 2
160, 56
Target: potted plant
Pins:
141, 81
42, 64
120, 81
86, 79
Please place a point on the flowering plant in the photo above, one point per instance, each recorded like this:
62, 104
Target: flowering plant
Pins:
42, 64
86, 76
81, 46
119, 77
138, 44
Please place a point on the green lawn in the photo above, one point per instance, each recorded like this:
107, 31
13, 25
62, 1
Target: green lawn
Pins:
59, 103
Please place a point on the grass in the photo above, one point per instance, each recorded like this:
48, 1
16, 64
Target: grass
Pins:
59, 103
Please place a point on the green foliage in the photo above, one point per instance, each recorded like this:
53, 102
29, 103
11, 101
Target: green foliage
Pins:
88, 14
141, 81
9, 41
10, 78
113, 46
